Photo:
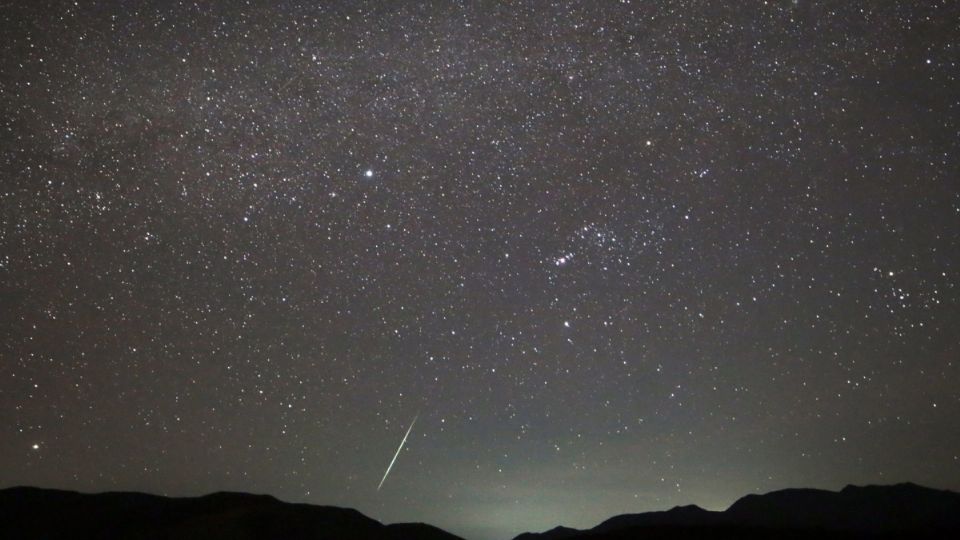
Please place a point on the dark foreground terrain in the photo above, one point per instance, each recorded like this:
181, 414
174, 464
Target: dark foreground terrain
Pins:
900, 511
31, 513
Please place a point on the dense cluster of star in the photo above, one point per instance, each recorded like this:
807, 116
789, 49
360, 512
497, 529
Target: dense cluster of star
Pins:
617, 255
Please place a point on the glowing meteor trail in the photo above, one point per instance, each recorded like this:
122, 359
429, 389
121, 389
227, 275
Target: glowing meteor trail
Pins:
392, 461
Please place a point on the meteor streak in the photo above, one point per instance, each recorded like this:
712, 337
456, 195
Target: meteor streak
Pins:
392, 461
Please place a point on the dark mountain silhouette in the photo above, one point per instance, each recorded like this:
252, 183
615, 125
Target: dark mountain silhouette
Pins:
33, 513
690, 516
872, 512
556, 533
899, 511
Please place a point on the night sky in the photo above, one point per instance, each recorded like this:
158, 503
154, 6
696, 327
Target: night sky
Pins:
614, 256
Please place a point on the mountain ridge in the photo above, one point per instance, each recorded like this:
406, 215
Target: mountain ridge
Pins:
870, 511
861, 512
30, 512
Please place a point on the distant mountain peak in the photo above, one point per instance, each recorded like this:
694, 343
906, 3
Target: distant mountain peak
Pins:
687, 508
557, 533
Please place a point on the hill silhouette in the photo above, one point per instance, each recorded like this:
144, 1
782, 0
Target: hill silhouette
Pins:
898, 511
33, 513
870, 512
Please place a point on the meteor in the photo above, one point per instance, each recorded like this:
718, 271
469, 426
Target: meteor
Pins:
392, 461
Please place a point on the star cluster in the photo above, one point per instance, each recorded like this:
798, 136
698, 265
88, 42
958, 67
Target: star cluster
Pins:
617, 255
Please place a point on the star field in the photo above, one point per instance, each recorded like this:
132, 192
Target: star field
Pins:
617, 255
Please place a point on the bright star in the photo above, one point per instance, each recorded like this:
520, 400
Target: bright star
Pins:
368, 173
